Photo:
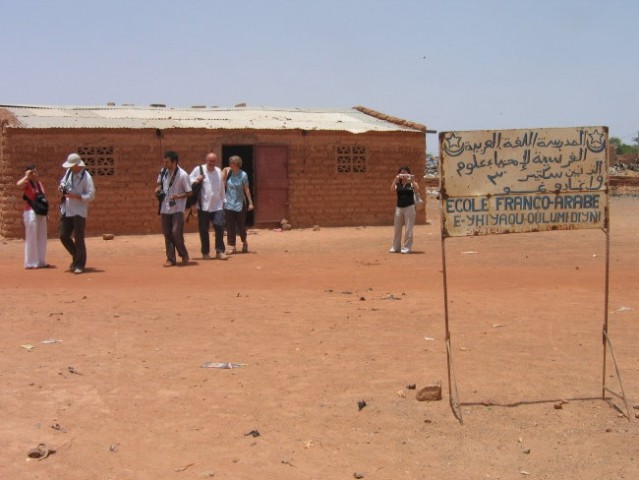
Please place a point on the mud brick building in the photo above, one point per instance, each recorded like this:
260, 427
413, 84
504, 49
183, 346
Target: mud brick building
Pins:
324, 167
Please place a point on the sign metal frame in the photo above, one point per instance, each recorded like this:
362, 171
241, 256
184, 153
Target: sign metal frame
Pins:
519, 181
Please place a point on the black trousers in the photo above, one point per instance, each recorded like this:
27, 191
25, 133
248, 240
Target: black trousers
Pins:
235, 225
204, 219
173, 230
71, 232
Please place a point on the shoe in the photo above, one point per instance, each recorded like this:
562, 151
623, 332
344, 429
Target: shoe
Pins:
392, 250
245, 248
78, 270
206, 256
185, 261
221, 256
72, 267
231, 251
169, 263
405, 250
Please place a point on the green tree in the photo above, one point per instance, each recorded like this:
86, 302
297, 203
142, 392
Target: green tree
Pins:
616, 143
621, 148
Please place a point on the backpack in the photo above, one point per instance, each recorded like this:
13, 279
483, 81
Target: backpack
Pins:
160, 194
40, 205
196, 189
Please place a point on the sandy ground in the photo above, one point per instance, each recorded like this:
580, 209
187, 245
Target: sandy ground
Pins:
322, 320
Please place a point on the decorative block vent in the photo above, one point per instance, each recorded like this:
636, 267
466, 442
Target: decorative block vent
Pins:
351, 159
99, 161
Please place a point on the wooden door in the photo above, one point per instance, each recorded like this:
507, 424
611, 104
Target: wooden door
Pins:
271, 183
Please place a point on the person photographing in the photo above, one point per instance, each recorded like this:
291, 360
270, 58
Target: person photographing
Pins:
77, 190
404, 186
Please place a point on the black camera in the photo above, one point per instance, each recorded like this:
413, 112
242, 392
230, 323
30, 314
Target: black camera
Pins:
160, 195
171, 203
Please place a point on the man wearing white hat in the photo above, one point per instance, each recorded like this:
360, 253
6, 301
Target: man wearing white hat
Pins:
77, 191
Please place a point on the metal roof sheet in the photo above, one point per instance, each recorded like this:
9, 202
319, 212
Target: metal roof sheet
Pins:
259, 118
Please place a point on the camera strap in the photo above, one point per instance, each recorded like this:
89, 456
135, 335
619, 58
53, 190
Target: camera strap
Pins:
172, 180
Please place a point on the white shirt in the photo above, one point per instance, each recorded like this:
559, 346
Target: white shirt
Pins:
177, 184
212, 196
82, 184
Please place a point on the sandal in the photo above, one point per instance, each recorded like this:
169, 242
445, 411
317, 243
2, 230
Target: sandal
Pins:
40, 452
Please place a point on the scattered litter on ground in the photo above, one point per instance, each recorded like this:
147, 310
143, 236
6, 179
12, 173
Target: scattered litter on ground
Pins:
391, 297
624, 309
28, 347
429, 339
181, 469
73, 371
40, 452
51, 340
469, 252
361, 404
227, 365
252, 433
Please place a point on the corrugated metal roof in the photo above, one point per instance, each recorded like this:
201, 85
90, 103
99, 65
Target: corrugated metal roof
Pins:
239, 118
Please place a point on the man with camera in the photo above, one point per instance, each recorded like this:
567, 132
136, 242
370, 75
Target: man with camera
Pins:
77, 191
173, 187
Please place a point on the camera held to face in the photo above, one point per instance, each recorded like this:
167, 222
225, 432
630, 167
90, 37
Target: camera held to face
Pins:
406, 176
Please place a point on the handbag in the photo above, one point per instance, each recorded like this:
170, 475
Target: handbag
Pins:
40, 204
419, 203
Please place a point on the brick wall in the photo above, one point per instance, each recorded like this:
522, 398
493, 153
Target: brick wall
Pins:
320, 195
125, 203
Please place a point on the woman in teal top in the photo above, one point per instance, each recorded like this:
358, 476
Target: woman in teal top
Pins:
238, 195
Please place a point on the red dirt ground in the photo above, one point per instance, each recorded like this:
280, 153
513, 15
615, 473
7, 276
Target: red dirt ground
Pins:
323, 320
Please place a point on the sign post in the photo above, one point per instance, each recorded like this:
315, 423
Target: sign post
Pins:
518, 181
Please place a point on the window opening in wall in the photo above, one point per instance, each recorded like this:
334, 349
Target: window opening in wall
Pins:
99, 161
351, 159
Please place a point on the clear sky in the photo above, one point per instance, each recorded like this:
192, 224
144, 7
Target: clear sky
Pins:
448, 64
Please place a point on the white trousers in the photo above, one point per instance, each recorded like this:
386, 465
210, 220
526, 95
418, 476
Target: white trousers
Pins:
35, 239
404, 217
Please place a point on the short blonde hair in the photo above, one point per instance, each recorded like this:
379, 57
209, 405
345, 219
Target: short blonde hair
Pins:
236, 160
